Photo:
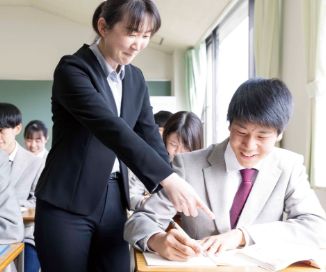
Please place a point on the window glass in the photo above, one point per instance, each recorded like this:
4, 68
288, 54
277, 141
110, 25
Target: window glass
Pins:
228, 56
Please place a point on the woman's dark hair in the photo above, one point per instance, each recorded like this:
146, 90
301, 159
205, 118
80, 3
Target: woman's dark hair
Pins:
188, 127
10, 116
35, 126
113, 11
266, 102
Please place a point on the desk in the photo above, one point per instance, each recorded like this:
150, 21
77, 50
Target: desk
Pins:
11, 254
29, 215
141, 266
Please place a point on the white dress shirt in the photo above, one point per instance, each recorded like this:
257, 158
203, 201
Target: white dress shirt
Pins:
114, 79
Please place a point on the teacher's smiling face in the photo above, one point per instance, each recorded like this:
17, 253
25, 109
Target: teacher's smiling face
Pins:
120, 44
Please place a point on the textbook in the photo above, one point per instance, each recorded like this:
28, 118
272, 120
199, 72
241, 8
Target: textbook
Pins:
273, 258
3, 249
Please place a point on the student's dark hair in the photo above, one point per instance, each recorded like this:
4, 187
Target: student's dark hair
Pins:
35, 126
113, 11
266, 102
161, 117
188, 127
10, 116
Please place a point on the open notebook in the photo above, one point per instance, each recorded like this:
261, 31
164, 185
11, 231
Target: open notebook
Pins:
272, 258
3, 249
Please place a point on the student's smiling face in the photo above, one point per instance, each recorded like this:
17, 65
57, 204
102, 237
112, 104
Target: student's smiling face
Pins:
251, 142
36, 142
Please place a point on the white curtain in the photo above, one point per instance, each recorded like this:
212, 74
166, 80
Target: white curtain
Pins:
315, 54
196, 71
267, 37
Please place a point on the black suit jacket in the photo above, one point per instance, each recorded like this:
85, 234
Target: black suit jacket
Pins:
88, 135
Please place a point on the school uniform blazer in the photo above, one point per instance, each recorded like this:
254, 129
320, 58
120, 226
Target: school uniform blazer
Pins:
88, 135
11, 223
25, 172
281, 187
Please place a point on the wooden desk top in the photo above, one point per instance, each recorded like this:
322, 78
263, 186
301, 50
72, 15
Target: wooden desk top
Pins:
141, 266
12, 252
29, 215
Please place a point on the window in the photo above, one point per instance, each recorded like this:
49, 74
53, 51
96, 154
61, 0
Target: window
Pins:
229, 64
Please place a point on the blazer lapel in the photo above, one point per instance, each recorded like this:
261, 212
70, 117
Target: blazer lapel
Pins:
215, 182
266, 180
103, 86
126, 101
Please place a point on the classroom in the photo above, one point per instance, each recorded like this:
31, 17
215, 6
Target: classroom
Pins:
195, 62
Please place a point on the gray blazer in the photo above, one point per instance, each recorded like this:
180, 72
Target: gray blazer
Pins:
25, 171
11, 223
137, 191
281, 187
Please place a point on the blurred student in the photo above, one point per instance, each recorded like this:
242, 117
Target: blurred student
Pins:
36, 137
161, 118
11, 223
183, 132
247, 182
24, 173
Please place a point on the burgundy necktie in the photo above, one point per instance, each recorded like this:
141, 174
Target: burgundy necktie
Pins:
248, 178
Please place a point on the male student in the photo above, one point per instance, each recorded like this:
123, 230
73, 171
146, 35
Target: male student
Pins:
11, 223
280, 207
24, 173
161, 117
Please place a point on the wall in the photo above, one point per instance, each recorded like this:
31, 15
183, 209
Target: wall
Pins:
33, 41
155, 64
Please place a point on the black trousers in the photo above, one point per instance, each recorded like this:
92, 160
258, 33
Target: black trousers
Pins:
69, 242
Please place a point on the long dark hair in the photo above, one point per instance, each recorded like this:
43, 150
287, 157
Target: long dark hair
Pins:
188, 127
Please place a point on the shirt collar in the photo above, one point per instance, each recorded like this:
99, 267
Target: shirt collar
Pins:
107, 68
231, 161
13, 153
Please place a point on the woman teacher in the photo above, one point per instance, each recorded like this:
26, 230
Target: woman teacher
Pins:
103, 123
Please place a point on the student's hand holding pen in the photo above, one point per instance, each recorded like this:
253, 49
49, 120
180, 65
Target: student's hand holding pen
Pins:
174, 245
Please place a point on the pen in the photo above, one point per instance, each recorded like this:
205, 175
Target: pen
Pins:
177, 227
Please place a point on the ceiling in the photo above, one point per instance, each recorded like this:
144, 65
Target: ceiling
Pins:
184, 22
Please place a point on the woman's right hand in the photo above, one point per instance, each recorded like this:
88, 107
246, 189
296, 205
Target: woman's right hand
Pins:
173, 245
183, 196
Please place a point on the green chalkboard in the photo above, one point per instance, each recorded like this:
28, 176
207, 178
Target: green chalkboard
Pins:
159, 88
33, 98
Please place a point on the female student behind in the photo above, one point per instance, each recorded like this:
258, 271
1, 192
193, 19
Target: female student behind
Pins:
36, 137
103, 123
183, 132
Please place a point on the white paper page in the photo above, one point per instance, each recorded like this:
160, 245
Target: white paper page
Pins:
233, 258
153, 259
276, 257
